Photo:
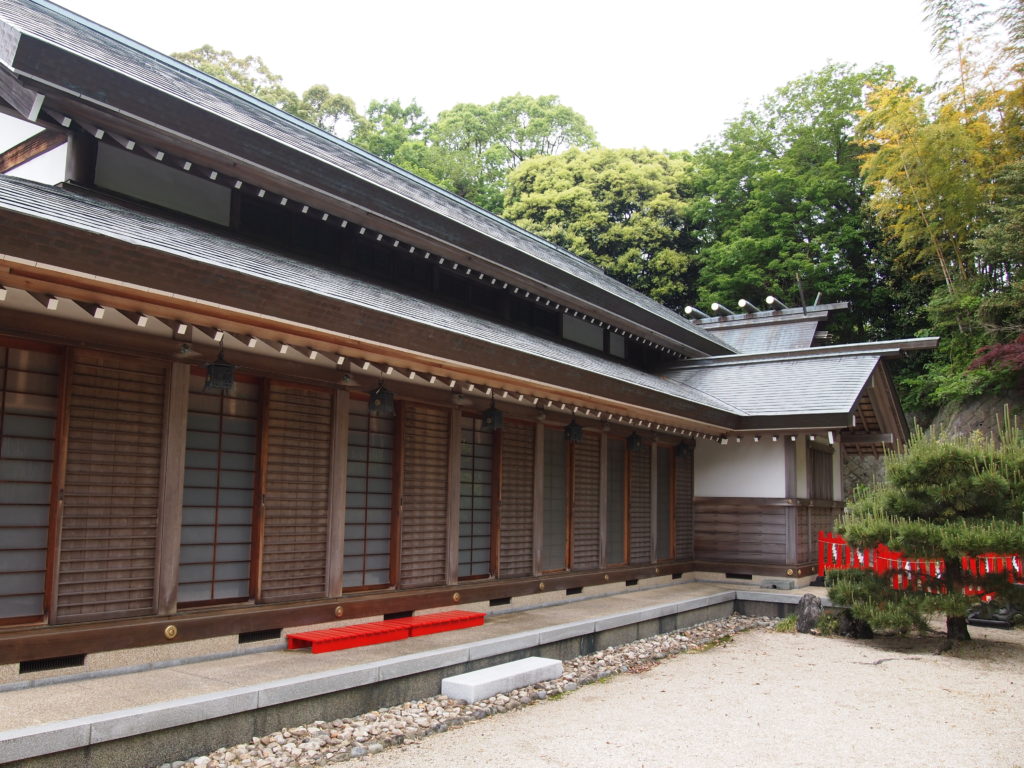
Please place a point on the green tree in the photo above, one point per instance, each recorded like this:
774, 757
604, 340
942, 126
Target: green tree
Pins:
471, 148
317, 104
387, 126
940, 166
780, 198
944, 498
625, 210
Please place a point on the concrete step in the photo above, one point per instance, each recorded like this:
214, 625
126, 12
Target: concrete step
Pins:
484, 683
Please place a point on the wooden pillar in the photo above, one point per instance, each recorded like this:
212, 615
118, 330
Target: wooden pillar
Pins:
454, 483
538, 497
336, 494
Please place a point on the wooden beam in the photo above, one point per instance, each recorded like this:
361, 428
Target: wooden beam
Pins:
862, 438
485, 367
244, 339
137, 318
123, 141
59, 118
30, 149
48, 300
26, 102
214, 333
93, 310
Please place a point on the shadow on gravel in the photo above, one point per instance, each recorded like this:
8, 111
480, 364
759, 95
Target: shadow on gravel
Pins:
987, 643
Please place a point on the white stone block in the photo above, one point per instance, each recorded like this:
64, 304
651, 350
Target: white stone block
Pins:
474, 686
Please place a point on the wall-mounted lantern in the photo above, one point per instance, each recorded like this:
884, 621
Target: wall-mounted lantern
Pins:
492, 419
382, 402
220, 375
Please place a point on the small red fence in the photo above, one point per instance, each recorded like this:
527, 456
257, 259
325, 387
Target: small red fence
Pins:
834, 554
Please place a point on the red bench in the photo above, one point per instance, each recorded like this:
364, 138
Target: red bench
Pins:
429, 623
373, 632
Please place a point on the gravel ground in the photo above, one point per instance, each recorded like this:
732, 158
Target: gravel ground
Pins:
769, 699
758, 696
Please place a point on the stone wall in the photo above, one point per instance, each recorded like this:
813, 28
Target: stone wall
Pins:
984, 414
859, 469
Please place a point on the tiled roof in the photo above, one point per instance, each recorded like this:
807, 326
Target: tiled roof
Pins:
203, 245
825, 383
764, 338
61, 28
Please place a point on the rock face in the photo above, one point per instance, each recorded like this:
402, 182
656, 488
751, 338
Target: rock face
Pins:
808, 611
979, 414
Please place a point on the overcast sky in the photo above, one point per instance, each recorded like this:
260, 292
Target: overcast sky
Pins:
666, 75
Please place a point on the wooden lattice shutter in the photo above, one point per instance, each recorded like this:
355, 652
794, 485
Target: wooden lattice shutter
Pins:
684, 505
640, 505
517, 455
586, 509
111, 488
616, 524
424, 512
296, 509
664, 534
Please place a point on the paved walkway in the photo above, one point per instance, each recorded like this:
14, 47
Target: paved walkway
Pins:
75, 712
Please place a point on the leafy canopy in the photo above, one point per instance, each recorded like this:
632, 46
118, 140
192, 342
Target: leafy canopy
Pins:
625, 210
317, 104
780, 204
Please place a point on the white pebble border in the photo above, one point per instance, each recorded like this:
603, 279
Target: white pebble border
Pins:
323, 743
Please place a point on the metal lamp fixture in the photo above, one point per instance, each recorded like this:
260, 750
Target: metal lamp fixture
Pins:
382, 402
573, 432
220, 375
491, 419
633, 442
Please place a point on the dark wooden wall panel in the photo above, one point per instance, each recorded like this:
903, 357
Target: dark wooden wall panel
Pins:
297, 489
516, 549
684, 505
640, 505
740, 530
424, 512
586, 509
111, 488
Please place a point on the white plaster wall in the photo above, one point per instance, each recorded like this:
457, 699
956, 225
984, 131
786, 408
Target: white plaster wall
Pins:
747, 469
800, 463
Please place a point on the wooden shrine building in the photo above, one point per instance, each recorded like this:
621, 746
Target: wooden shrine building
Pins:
253, 377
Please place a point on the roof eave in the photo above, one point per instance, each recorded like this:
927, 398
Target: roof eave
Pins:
40, 66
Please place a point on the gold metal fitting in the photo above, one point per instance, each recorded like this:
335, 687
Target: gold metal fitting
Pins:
789, 571
541, 586
606, 577
339, 611
456, 597
170, 631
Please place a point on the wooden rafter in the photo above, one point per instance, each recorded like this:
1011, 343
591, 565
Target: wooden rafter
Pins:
30, 149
